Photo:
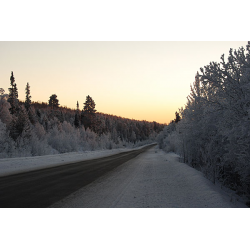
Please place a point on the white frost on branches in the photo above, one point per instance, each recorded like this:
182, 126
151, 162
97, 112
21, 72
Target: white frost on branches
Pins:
214, 133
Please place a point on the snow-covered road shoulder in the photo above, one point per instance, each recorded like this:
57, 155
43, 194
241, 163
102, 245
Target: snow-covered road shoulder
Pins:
153, 179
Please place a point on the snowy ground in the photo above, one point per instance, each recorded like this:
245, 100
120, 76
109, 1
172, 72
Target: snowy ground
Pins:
17, 165
153, 179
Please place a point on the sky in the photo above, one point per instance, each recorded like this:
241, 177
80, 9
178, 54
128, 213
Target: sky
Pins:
137, 80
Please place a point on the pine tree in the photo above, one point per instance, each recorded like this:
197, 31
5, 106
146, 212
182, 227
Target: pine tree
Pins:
13, 95
53, 101
77, 116
89, 106
27, 98
88, 113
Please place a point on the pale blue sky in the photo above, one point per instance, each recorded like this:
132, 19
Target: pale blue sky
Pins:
140, 80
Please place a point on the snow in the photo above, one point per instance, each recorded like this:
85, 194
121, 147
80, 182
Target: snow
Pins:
10, 166
153, 179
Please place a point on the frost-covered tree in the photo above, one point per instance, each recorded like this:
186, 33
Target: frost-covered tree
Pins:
213, 135
39, 130
33, 117
91, 138
6, 144
133, 137
2, 91
20, 124
5, 115
177, 117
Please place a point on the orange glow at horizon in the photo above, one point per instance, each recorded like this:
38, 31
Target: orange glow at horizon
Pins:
137, 80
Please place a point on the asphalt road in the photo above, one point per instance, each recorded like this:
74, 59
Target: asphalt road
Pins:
42, 188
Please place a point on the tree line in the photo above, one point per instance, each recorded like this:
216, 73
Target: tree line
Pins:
212, 133
30, 128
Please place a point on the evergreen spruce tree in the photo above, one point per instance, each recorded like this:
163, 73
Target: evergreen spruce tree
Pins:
53, 101
28, 97
13, 95
88, 113
77, 116
89, 106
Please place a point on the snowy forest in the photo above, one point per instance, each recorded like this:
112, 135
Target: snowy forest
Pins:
30, 128
212, 132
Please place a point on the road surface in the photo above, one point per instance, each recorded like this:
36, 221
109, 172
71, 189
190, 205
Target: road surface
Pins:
154, 179
41, 188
